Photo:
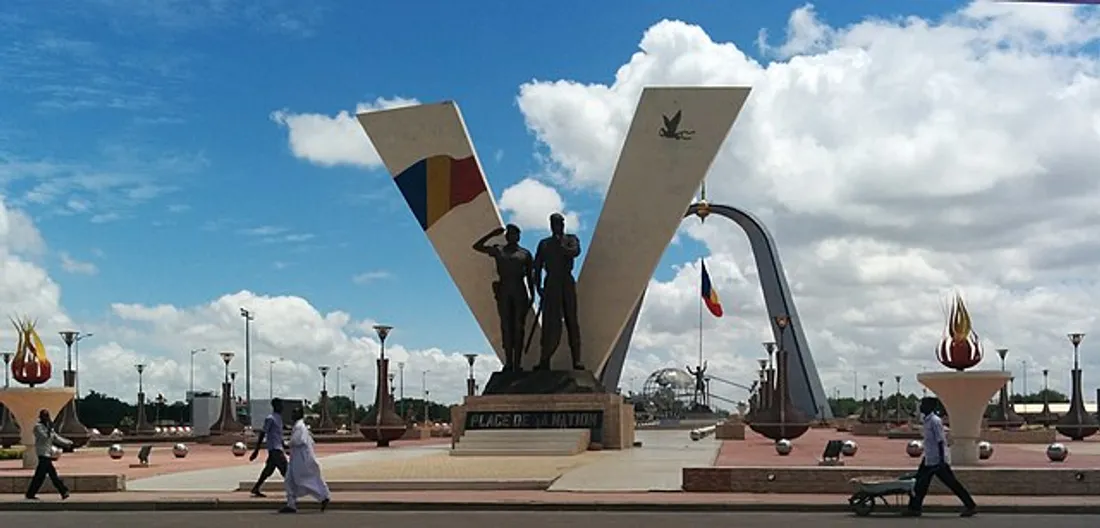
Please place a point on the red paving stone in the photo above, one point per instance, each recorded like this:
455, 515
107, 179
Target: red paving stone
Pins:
460, 498
756, 450
91, 461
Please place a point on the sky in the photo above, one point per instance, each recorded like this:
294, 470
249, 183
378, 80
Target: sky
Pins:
164, 164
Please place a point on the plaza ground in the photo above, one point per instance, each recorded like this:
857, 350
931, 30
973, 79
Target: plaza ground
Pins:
528, 520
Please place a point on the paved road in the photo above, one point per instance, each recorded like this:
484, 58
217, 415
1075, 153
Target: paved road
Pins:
527, 520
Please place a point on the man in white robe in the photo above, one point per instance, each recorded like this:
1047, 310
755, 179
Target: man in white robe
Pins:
303, 474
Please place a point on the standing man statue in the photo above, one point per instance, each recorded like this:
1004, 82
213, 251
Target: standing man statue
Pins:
700, 374
513, 291
558, 292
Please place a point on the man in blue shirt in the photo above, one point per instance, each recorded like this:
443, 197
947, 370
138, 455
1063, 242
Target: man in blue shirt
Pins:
935, 464
272, 437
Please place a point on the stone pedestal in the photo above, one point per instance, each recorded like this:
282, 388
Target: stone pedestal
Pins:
325, 425
965, 395
142, 425
382, 425
68, 423
730, 430
24, 404
227, 423
9, 428
609, 418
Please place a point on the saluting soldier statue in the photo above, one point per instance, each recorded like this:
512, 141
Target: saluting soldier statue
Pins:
513, 291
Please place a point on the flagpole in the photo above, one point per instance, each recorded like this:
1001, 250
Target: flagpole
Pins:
701, 316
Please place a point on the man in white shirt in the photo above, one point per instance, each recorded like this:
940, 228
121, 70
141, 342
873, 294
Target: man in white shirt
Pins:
936, 464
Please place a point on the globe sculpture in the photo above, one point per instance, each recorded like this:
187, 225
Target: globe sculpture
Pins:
668, 392
783, 447
1057, 452
180, 450
985, 450
960, 347
115, 451
239, 449
849, 448
914, 449
55, 452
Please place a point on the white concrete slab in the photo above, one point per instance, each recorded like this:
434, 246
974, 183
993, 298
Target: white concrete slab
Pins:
229, 478
656, 466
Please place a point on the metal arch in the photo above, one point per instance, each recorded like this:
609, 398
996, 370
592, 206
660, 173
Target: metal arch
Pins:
807, 393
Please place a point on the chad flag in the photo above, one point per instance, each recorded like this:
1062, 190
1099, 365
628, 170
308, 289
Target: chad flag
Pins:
433, 186
710, 297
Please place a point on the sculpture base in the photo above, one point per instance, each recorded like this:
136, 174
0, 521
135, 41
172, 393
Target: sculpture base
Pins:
9, 429
608, 417
68, 425
965, 395
543, 382
227, 423
24, 405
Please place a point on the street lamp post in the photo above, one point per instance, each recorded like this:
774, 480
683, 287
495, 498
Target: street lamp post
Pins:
401, 388
897, 402
352, 421
140, 426
248, 318
191, 385
76, 358
7, 371
271, 377
471, 388
881, 402
424, 391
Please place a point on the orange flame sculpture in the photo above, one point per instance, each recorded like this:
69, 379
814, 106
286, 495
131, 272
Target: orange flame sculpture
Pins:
30, 365
960, 348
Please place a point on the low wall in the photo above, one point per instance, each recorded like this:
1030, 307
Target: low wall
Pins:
1031, 436
730, 431
835, 480
76, 483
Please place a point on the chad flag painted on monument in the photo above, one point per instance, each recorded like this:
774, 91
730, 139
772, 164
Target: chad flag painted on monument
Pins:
435, 185
710, 297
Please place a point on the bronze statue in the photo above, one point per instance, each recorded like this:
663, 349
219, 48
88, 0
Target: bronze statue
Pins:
558, 292
513, 290
700, 374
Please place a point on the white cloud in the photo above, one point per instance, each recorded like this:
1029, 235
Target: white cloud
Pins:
77, 267
893, 160
530, 203
368, 277
334, 140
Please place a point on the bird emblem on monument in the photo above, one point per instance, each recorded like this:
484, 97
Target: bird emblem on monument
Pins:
960, 347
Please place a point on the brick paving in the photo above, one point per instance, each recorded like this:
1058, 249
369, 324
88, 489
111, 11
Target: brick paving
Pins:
94, 461
443, 466
756, 450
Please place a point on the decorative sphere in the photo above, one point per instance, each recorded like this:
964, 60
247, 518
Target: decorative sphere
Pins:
915, 448
783, 447
115, 451
849, 448
157, 430
55, 452
985, 450
1057, 452
239, 449
180, 450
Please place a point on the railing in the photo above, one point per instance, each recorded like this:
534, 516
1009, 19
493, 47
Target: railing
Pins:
703, 432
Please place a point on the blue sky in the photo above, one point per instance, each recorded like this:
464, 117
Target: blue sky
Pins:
140, 139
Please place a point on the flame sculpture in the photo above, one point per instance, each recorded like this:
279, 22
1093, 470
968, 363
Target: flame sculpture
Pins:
960, 348
30, 365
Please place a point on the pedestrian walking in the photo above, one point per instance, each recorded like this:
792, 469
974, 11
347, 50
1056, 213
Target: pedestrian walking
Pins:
936, 464
303, 477
45, 438
271, 436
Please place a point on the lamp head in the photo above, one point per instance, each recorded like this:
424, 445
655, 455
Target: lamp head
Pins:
140, 368
1076, 338
324, 370
470, 358
7, 357
69, 337
763, 363
769, 347
382, 330
227, 357
897, 379
1002, 352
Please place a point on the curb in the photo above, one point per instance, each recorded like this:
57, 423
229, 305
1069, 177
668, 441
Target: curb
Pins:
344, 486
624, 507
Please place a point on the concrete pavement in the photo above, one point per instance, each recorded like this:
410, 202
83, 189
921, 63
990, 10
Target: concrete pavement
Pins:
528, 520
657, 466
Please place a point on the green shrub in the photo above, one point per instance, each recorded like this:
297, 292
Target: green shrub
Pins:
11, 454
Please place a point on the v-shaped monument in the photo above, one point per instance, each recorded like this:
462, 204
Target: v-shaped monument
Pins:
674, 136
